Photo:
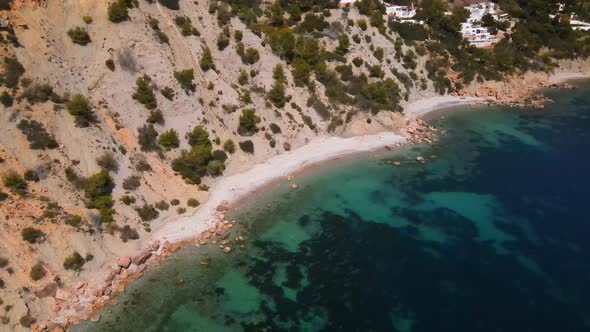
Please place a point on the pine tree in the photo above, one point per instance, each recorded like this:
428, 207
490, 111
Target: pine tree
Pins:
144, 93
206, 61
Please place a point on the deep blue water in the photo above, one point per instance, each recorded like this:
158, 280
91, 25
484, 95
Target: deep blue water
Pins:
491, 234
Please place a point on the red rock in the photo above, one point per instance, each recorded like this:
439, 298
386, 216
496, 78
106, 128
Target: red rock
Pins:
142, 258
124, 262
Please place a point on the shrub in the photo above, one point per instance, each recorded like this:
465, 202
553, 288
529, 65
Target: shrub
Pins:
27, 320
301, 72
38, 137
238, 35
162, 205
87, 19
343, 44
199, 137
192, 164
362, 24
185, 78
81, 109
248, 121
219, 155
131, 182
97, 190
3, 196
174, 202
229, 146
13, 70
127, 200
357, 61
155, 117
15, 183
215, 167
222, 41
274, 128
147, 212
180, 210
31, 175
243, 78
277, 94
250, 56
144, 93
74, 262
32, 235
169, 139
3, 262
38, 93
168, 93
74, 221
185, 25
110, 64
79, 36
108, 162
206, 61
7, 100
118, 11
378, 53
247, 146
37, 272
192, 202
128, 233
147, 138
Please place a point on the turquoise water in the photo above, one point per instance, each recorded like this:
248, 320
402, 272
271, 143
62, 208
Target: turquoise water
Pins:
491, 234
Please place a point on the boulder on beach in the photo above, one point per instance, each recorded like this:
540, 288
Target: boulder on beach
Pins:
124, 262
142, 258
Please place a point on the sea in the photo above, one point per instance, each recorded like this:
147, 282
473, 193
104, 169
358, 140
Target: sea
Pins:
491, 233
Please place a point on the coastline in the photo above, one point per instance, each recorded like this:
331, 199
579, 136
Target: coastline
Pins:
169, 235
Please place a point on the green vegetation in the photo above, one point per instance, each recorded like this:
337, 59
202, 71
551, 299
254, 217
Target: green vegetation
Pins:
108, 162
247, 146
144, 93
97, 190
13, 71
222, 41
38, 93
192, 202
32, 235
229, 146
6, 99
131, 182
37, 135
186, 26
147, 212
74, 262
169, 139
243, 78
37, 272
277, 93
343, 44
206, 61
81, 109
87, 19
248, 121
198, 161
185, 78
79, 36
155, 117
15, 183
168, 93
118, 11
147, 137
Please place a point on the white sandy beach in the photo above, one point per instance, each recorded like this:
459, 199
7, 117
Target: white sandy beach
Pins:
233, 188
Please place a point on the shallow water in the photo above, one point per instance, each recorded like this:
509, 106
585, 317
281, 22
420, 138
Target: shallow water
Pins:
491, 235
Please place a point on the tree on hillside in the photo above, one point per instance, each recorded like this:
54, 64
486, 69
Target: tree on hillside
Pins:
144, 93
81, 109
118, 11
206, 61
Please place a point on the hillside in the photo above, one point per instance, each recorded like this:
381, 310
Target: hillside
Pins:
118, 116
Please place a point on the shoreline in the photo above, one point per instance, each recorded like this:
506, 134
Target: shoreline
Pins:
232, 191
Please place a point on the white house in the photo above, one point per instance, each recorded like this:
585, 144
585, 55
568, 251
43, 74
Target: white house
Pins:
476, 35
479, 10
400, 12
